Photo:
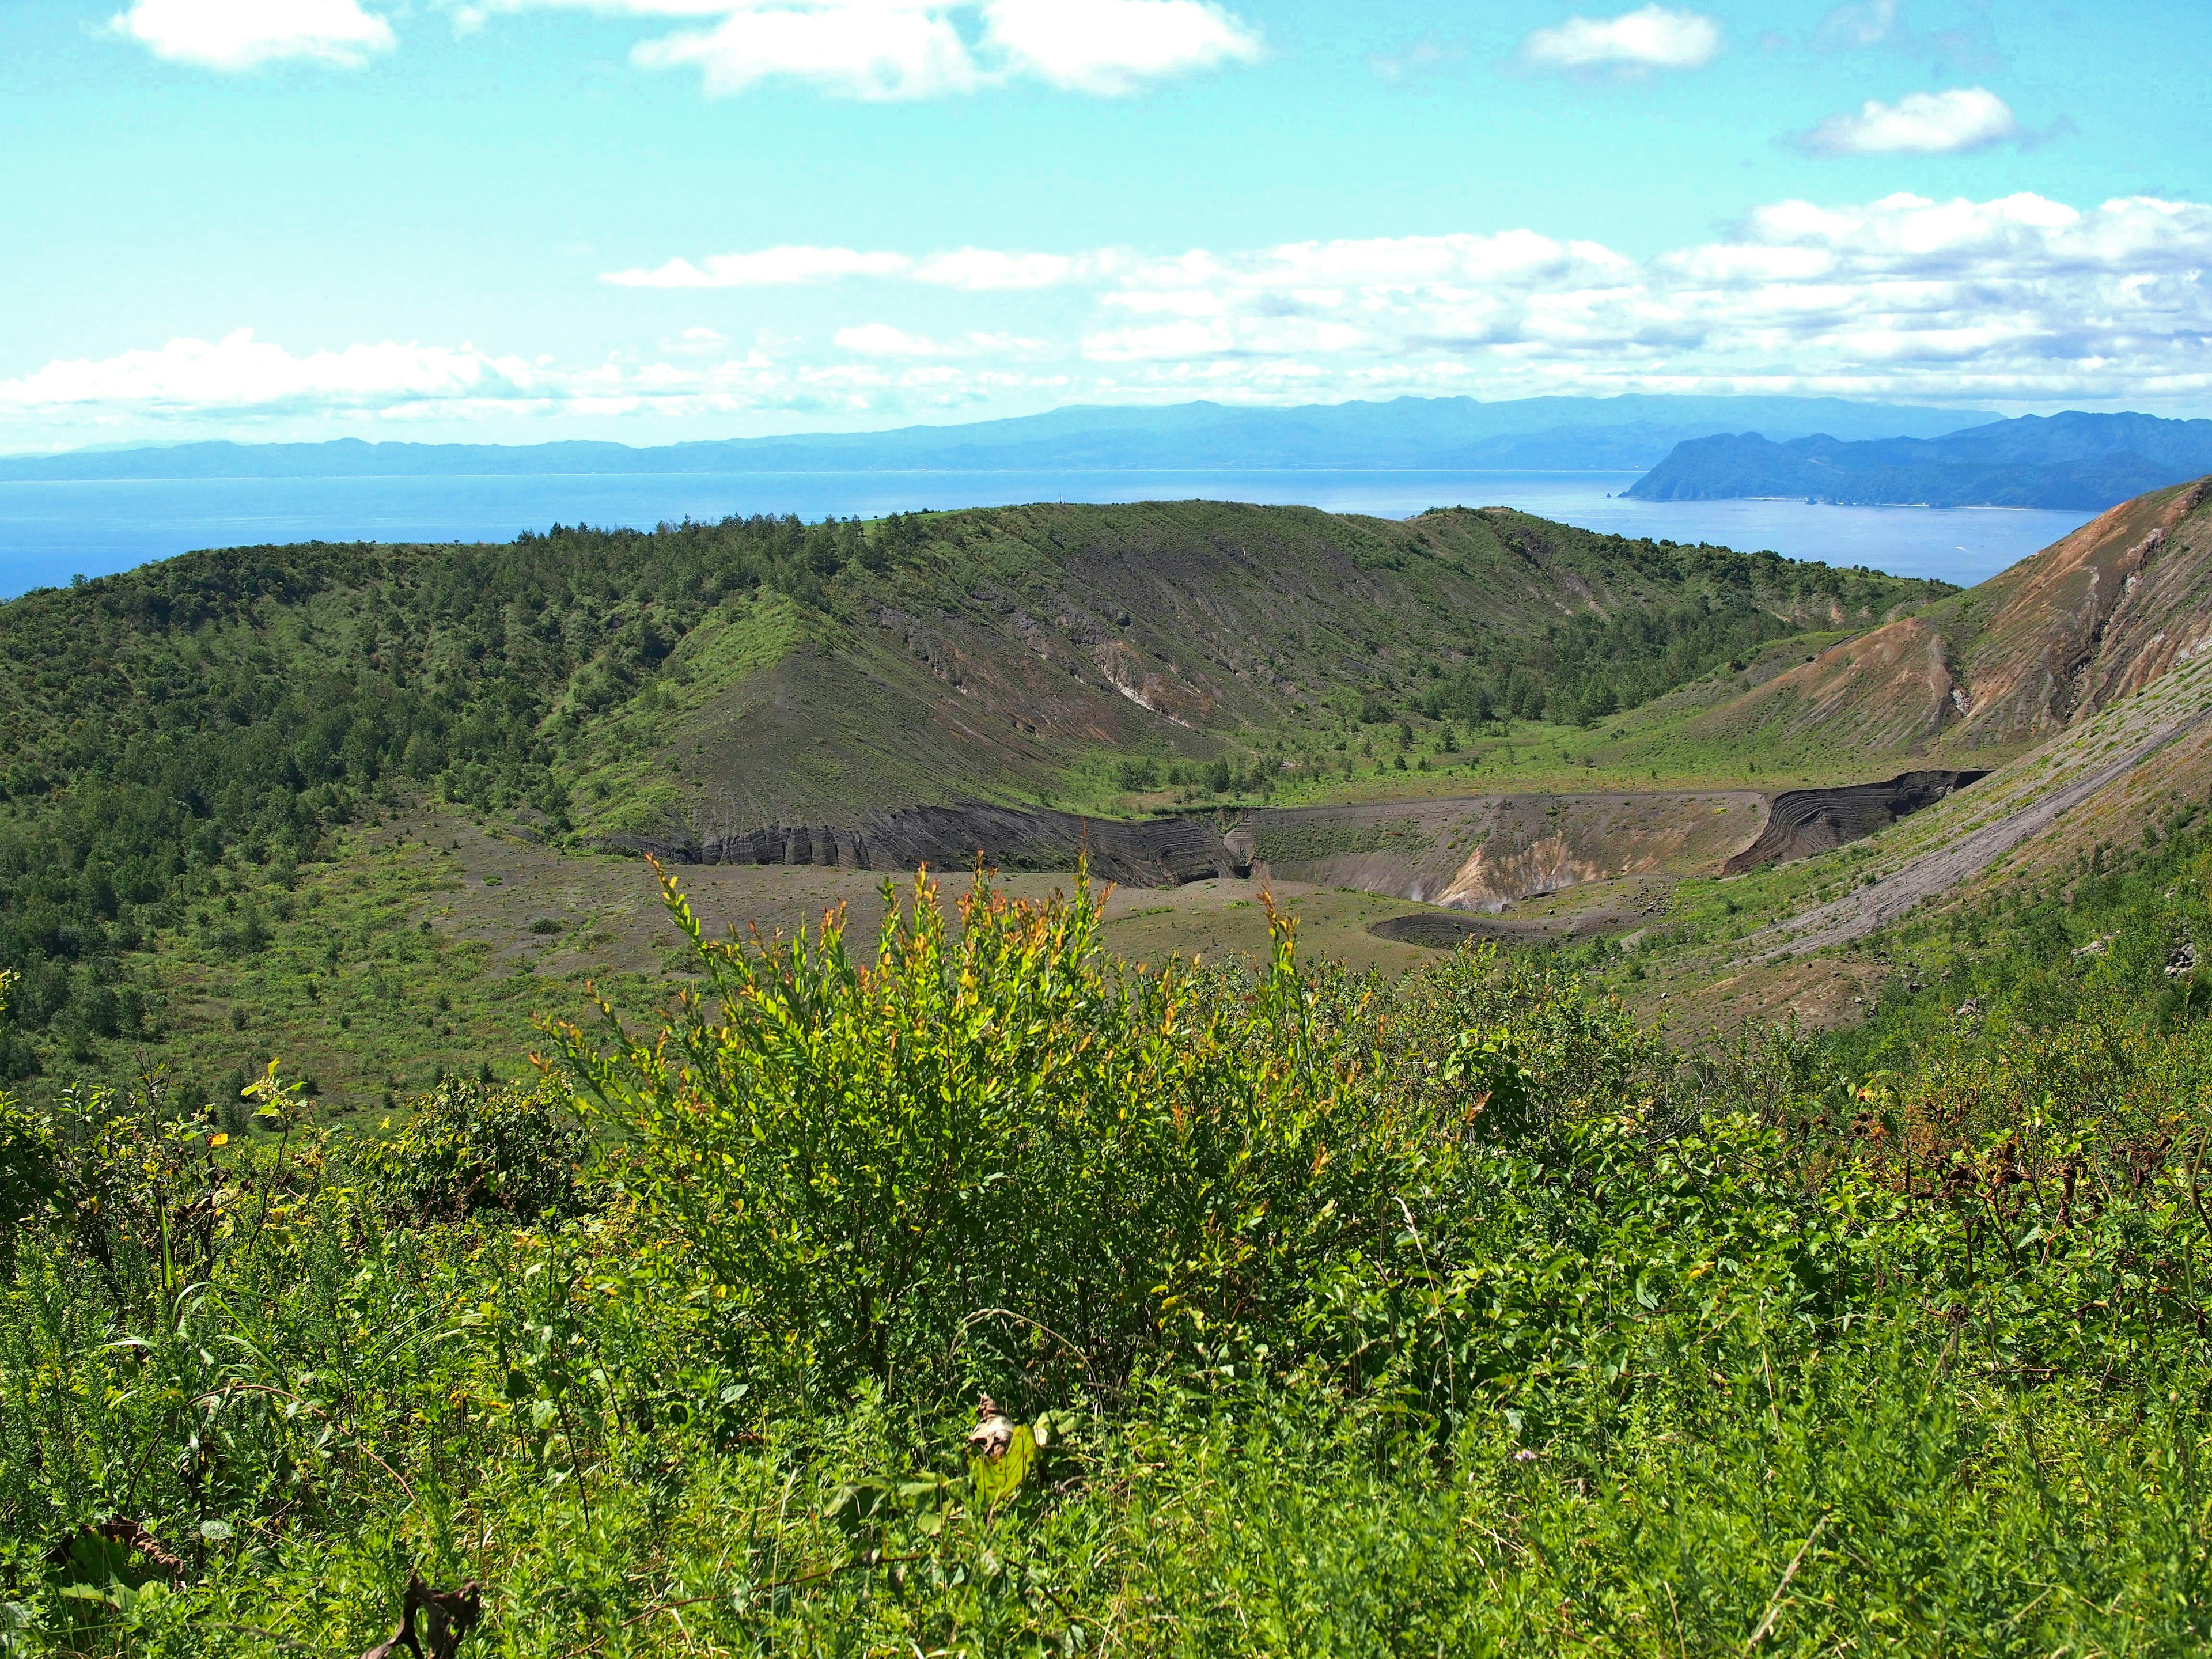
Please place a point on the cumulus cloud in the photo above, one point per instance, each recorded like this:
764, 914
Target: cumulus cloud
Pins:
2020, 298
1919, 124
241, 34
1651, 37
983, 269
1110, 47
887, 50
1858, 24
874, 52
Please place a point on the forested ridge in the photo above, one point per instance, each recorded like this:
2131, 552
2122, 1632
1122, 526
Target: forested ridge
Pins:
190, 731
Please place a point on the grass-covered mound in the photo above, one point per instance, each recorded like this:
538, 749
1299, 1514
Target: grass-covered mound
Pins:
1316, 1314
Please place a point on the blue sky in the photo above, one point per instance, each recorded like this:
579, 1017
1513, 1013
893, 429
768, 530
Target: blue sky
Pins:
520, 220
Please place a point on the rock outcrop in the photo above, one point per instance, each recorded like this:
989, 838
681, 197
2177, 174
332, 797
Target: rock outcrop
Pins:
1485, 852
1804, 822
1157, 853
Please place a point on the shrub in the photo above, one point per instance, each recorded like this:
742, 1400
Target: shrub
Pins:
30, 1175
472, 1147
1454, 1314
28, 1172
1000, 1150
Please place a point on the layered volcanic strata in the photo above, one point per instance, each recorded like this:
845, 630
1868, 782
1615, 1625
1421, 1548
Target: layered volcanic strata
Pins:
1804, 822
1160, 853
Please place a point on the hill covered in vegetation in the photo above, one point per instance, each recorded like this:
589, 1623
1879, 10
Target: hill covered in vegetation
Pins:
183, 741
975, 1289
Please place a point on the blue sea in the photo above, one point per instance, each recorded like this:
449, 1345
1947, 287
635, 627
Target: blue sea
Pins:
50, 532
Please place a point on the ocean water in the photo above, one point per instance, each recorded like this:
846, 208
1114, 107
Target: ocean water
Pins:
50, 532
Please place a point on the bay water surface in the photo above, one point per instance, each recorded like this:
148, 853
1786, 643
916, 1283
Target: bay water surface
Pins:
50, 532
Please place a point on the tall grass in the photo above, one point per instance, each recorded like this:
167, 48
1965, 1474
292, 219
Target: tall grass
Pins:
1340, 1316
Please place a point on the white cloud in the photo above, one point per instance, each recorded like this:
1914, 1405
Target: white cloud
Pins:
1110, 47
978, 270
875, 52
1858, 23
2017, 298
982, 269
1919, 124
2020, 298
886, 50
1651, 36
241, 34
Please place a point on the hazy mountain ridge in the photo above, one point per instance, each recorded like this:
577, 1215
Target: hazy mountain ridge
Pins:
1416, 433
2074, 460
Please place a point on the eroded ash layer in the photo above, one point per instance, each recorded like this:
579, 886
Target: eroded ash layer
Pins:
1804, 822
1487, 852
1159, 853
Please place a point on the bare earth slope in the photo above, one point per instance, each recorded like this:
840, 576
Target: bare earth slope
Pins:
2084, 675
1483, 853
1995, 670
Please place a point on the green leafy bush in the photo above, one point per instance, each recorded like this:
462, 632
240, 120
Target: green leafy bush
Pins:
997, 1144
469, 1146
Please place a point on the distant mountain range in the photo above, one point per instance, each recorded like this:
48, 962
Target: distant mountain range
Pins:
1621, 433
2074, 460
